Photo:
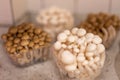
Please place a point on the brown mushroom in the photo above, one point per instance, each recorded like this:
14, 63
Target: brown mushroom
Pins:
11, 38
19, 35
4, 36
13, 30
37, 31
12, 50
20, 30
16, 40
23, 50
31, 44
8, 43
25, 37
24, 42
41, 43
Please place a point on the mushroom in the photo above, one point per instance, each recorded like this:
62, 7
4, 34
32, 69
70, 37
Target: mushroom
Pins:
25, 37
37, 31
13, 30
67, 57
19, 35
31, 44
36, 46
4, 37
16, 40
8, 43
62, 37
24, 42
84, 53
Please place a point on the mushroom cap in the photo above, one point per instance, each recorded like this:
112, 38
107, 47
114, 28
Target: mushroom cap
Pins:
23, 50
16, 40
20, 30
19, 47
19, 35
37, 31
12, 49
41, 43
8, 43
4, 36
57, 46
24, 42
10, 38
13, 30
62, 37
36, 40
71, 67
67, 57
91, 47
25, 37
31, 44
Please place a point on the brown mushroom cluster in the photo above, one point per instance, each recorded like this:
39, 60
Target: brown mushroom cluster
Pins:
25, 38
104, 25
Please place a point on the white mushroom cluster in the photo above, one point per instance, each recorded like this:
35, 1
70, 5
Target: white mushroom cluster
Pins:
79, 54
26, 43
54, 20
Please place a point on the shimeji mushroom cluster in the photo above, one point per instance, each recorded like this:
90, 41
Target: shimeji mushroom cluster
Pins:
79, 53
54, 20
24, 38
104, 25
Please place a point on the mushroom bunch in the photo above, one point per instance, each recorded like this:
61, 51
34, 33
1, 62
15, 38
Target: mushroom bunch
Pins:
104, 25
25, 38
54, 20
78, 54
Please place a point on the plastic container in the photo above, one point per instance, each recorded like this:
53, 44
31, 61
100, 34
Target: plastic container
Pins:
79, 56
31, 57
54, 20
27, 44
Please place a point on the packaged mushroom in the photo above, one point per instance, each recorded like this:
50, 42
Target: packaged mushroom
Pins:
104, 25
79, 55
54, 20
27, 44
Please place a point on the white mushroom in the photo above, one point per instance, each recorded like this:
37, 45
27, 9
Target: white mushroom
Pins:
76, 50
100, 48
80, 57
89, 54
67, 32
74, 30
64, 46
67, 57
71, 38
97, 39
81, 32
91, 47
89, 37
71, 67
81, 41
62, 37
57, 45
85, 62
96, 59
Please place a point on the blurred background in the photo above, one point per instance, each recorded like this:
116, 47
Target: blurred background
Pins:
17, 11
